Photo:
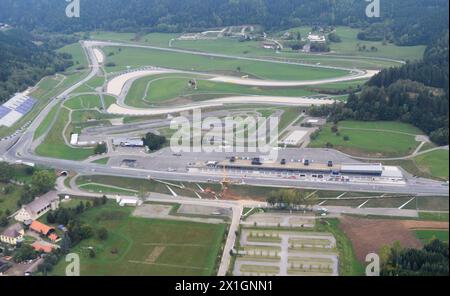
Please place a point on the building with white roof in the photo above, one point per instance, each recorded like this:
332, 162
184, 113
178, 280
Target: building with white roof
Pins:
316, 38
15, 108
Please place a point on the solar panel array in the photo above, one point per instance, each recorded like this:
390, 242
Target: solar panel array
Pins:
4, 111
26, 106
14, 109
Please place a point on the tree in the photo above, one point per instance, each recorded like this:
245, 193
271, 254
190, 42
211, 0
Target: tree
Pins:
80, 208
44, 268
101, 148
102, 233
24, 253
91, 253
333, 37
66, 244
154, 142
6, 172
3, 221
42, 182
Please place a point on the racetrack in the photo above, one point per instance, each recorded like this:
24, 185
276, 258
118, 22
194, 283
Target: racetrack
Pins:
290, 101
120, 85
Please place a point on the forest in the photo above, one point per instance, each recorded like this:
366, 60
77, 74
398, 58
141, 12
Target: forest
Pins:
25, 59
405, 22
431, 260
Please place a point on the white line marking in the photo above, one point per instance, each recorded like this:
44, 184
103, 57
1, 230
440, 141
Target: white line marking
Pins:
171, 191
361, 205
403, 205
341, 195
200, 187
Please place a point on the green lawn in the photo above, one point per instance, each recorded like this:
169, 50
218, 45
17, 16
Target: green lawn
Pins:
54, 145
147, 246
430, 216
78, 56
356, 59
427, 235
125, 183
290, 114
363, 142
9, 201
393, 126
137, 57
434, 163
97, 81
45, 124
254, 49
161, 88
84, 102
108, 101
349, 43
101, 160
105, 189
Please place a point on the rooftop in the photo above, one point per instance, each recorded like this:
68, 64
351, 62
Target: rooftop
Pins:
13, 231
40, 227
41, 202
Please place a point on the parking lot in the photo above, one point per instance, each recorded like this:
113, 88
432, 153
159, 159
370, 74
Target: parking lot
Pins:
265, 252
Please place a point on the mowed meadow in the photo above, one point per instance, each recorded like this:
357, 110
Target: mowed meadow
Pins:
140, 246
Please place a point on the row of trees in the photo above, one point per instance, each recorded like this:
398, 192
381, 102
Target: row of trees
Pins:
291, 199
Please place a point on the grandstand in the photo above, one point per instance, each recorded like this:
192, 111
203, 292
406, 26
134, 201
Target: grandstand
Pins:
14, 109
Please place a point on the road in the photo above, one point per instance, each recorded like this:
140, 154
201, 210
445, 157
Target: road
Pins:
99, 43
22, 150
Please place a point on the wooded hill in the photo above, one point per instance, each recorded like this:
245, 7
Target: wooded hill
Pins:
405, 22
23, 62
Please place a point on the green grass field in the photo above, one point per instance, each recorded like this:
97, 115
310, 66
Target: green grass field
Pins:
54, 144
137, 57
435, 163
431, 216
366, 141
84, 102
393, 126
9, 201
427, 235
160, 89
45, 124
146, 246
349, 46
254, 49
99, 188
126, 183
101, 160
78, 56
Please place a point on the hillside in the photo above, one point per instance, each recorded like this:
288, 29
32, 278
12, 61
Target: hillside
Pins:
405, 22
23, 62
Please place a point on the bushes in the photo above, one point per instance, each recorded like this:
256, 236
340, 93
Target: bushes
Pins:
154, 142
100, 148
